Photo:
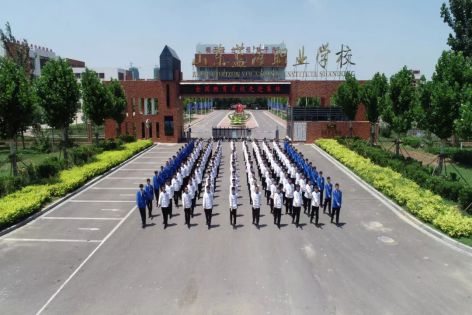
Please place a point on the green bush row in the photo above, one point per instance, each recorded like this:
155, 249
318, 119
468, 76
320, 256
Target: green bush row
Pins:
421, 202
414, 170
24, 202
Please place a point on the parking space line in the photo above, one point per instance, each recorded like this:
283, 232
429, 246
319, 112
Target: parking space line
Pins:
113, 210
127, 195
49, 240
80, 218
99, 201
126, 177
113, 188
84, 262
137, 169
88, 229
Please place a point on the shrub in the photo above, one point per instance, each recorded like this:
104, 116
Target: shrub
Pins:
83, 154
24, 202
421, 202
465, 199
127, 138
447, 187
49, 167
413, 142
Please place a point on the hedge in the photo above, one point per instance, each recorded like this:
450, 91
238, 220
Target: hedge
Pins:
22, 203
444, 186
420, 202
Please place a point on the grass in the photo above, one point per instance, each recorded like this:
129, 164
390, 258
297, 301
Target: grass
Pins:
26, 156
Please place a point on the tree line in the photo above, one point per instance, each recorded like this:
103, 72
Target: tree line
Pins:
53, 98
442, 105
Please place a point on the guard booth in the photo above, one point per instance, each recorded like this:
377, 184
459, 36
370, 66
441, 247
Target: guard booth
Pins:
231, 133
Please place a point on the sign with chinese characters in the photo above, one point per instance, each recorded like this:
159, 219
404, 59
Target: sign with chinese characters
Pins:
235, 88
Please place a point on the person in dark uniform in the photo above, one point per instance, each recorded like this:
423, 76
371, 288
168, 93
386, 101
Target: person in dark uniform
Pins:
141, 204
149, 192
321, 183
337, 201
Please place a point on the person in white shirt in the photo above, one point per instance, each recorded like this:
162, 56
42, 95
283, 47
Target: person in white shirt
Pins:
268, 185
187, 204
170, 192
256, 206
208, 205
297, 204
233, 206
176, 188
307, 198
278, 201
163, 202
289, 188
273, 190
315, 205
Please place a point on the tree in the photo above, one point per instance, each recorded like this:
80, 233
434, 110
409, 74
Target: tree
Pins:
373, 95
348, 97
118, 104
459, 17
15, 104
463, 125
399, 107
96, 99
16, 50
58, 94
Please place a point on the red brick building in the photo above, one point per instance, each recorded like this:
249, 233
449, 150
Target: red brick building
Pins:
155, 107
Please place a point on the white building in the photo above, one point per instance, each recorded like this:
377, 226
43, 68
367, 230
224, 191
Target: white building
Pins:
38, 55
104, 73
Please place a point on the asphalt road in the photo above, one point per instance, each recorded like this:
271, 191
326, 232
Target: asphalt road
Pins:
90, 256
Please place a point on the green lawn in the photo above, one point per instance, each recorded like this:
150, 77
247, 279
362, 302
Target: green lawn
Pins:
26, 156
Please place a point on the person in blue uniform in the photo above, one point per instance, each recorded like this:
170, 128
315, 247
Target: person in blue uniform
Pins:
141, 204
320, 182
156, 182
149, 192
328, 192
337, 202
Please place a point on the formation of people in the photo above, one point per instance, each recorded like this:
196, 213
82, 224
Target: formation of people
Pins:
282, 174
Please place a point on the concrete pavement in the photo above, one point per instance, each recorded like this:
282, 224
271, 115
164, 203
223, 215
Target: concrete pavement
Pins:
92, 257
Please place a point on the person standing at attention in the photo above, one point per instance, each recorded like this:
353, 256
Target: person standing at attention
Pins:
149, 192
297, 205
315, 205
328, 195
233, 206
278, 201
187, 204
208, 205
256, 206
337, 201
164, 202
141, 204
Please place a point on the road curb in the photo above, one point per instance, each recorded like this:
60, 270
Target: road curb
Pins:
399, 211
71, 194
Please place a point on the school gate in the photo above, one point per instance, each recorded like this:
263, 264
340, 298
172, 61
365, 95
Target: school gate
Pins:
155, 107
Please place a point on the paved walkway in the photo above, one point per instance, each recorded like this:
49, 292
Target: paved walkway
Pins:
90, 256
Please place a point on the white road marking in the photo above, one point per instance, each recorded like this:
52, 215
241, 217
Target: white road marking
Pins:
138, 169
80, 218
112, 210
152, 163
84, 262
48, 240
276, 120
76, 200
254, 117
142, 177
113, 188
88, 229
401, 213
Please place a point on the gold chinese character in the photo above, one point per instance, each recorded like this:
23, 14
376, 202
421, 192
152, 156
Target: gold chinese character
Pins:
301, 59
238, 55
219, 51
258, 58
279, 57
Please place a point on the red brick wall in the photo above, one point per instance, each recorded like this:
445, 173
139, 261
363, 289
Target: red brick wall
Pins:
320, 129
150, 89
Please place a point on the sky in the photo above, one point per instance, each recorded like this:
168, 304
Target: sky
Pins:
383, 35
